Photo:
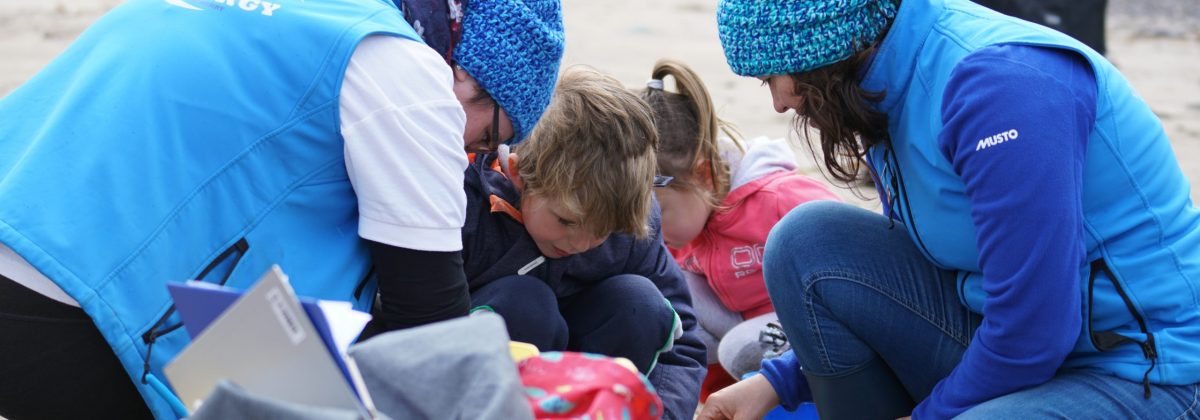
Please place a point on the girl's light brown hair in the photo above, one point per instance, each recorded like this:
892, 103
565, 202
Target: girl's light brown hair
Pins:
593, 151
688, 127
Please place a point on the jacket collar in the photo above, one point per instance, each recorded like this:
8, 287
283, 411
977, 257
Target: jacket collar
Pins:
893, 67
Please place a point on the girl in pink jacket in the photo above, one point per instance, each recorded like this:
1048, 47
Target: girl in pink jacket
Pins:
720, 196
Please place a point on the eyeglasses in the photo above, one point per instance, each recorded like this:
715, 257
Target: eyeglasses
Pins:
661, 181
492, 142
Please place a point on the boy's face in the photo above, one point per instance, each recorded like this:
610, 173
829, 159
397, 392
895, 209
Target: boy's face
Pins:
684, 214
556, 231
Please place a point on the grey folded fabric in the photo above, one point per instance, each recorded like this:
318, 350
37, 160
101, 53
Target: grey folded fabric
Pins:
456, 369
230, 402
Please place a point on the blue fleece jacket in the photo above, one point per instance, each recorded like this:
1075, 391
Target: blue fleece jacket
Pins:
496, 245
1032, 320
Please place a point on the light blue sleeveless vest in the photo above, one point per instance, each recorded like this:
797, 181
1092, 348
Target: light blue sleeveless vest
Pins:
1143, 233
181, 139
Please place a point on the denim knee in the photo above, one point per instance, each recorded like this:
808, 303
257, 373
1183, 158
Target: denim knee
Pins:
806, 240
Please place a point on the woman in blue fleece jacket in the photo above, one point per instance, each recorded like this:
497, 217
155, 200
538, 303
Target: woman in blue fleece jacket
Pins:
1038, 256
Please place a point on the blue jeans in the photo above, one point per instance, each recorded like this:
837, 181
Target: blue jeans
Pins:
851, 290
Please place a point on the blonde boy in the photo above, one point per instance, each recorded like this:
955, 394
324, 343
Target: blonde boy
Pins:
563, 239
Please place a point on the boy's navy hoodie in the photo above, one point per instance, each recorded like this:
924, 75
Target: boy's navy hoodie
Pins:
495, 245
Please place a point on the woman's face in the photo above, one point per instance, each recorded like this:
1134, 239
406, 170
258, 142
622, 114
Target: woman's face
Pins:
482, 126
783, 92
684, 213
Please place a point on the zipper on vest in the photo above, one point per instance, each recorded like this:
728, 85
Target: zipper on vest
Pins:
906, 216
240, 247
894, 202
1108, 340
159, 328
885, 196
362, 284
962, 286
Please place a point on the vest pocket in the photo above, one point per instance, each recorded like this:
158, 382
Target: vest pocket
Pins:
1107, 340
362, 284
224, 264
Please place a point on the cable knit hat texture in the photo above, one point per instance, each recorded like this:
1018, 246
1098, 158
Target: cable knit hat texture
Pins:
767, 37
513, 49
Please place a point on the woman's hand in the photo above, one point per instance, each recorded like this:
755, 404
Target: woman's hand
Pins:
748, 399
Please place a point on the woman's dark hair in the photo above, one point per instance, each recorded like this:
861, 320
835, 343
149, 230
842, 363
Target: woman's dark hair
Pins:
835, 104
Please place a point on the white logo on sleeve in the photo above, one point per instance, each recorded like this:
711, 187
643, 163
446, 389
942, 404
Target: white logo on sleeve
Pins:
997, 138
268, 8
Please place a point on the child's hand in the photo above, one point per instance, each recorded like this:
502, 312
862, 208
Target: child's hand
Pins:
749, 399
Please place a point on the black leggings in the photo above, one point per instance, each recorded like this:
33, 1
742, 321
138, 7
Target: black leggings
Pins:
55, 364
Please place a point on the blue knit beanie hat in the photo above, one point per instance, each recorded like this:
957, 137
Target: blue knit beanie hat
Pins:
513, 49
767, 37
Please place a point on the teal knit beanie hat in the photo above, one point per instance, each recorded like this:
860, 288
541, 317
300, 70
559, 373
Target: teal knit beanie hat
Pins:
513, 49
766, 37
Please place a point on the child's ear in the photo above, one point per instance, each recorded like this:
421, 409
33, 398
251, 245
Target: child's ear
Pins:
513, 174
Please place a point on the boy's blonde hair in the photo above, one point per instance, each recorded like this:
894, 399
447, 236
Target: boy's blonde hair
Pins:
688, 130
594, 152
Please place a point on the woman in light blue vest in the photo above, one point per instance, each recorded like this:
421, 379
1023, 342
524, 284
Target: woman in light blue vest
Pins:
210, 139
1038, 255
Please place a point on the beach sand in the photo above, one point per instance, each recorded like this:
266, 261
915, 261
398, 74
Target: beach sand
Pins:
1156, 43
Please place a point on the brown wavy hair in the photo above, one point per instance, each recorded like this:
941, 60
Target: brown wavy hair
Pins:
843, 113
594, 152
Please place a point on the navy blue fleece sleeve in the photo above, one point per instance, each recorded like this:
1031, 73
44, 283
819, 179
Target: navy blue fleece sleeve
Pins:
1017, 119
680, 371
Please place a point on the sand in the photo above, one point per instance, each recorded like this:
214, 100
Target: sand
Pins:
1156, 43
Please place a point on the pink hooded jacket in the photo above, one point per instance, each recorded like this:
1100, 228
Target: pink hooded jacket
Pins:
764, 186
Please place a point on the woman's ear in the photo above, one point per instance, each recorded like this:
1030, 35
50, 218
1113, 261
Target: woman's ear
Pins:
460, 74
514, 175
466, 88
